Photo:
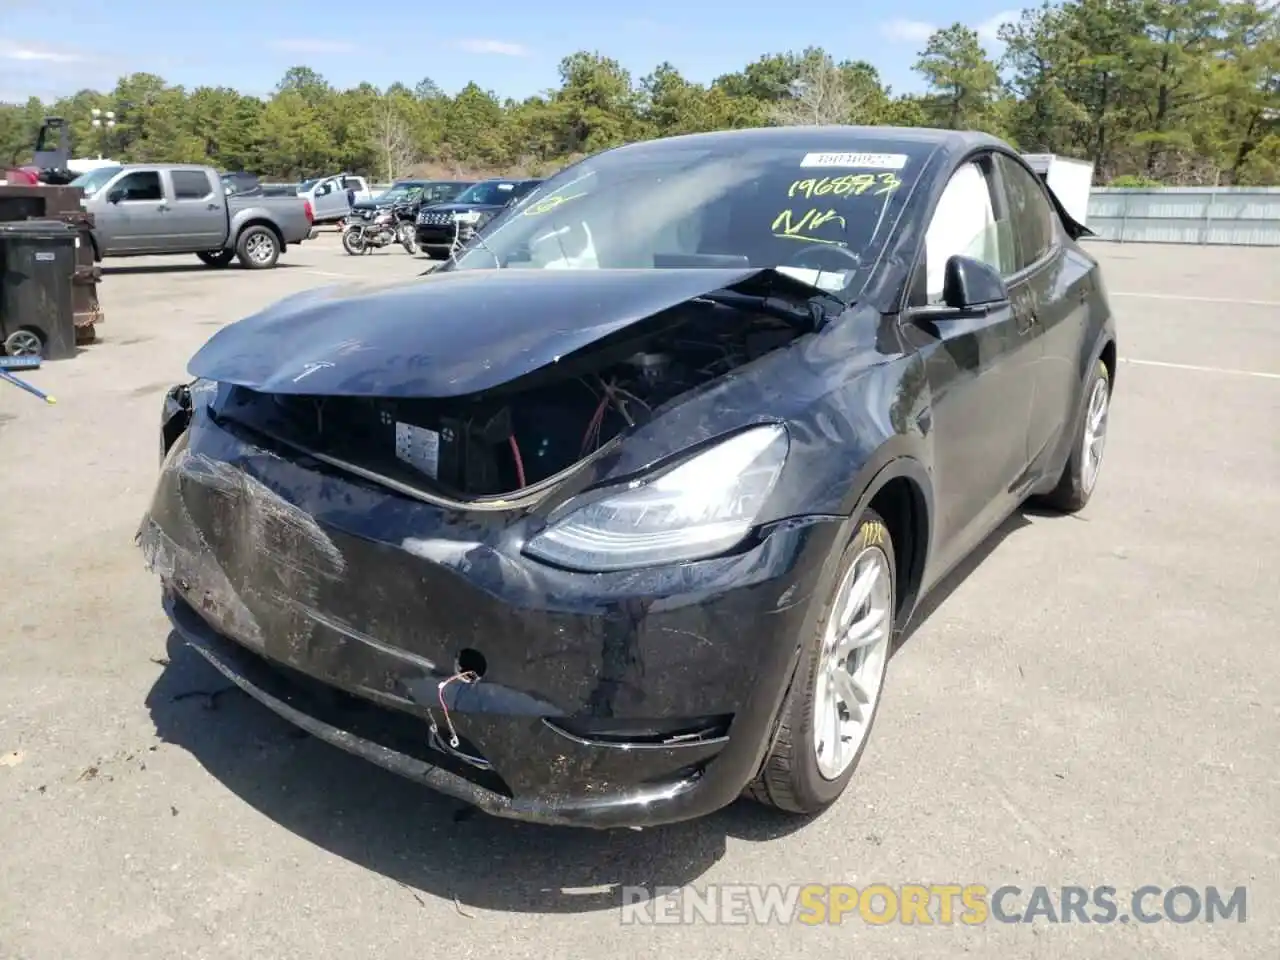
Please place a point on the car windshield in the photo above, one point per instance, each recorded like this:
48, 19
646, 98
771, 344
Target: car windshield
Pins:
493, 194
94, 180
444, 191
400, 191
823, 217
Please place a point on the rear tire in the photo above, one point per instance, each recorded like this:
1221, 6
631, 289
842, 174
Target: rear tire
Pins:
353, 242
258, 248
798, 776
216, 258
1080, 475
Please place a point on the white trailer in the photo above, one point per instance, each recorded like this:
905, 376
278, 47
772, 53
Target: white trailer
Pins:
1070, 180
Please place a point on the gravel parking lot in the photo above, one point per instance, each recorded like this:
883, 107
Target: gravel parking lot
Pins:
1097, 702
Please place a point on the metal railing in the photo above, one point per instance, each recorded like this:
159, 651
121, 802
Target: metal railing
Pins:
1228, 216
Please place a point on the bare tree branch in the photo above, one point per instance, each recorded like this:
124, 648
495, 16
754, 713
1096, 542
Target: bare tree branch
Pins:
393, 140
819, 96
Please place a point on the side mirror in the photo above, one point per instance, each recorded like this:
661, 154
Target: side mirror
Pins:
116, 195
973, 286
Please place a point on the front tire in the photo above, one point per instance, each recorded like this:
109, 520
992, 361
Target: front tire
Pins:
827, 716
258, 248
1080, 475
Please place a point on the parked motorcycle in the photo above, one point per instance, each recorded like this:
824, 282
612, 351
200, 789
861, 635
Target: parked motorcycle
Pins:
393, 224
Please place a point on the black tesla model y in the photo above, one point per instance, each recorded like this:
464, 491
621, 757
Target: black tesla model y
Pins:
618, 515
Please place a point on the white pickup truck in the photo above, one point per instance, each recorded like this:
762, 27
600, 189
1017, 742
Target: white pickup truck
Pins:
331, 196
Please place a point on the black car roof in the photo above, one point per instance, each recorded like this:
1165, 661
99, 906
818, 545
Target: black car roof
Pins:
825, 138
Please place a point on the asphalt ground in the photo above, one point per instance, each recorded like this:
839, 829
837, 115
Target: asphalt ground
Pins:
1096, 701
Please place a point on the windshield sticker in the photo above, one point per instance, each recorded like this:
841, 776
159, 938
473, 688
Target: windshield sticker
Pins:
506, 186
850, 185
547, 204
786, 226
865, 161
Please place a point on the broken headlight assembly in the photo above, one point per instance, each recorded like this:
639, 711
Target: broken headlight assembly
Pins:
702, 507
175, 416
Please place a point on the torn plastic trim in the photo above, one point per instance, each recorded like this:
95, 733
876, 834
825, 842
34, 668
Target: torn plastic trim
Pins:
175, 416
700, 731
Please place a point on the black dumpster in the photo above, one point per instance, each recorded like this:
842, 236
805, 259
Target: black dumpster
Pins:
37, 269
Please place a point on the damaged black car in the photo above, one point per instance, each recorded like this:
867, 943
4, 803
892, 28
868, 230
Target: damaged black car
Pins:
618, 516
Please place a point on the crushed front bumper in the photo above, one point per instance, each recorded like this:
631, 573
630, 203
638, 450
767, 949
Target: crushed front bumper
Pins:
626, 699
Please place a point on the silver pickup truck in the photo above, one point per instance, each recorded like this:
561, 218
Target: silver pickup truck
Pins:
140, 209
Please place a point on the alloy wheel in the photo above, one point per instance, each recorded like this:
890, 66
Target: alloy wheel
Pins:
1094, 437
852, 662
260, 248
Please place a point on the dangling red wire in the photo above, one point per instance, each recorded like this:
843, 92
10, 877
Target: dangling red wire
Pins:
515, 452
594, 424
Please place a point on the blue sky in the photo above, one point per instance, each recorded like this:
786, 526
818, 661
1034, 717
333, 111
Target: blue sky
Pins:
507, 46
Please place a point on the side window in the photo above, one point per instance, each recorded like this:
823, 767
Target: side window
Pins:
351, 183
192, 184
1033, 216
324, 189
140, 185
965, 224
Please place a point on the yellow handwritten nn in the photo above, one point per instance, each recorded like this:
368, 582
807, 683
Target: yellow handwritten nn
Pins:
547, 204
786, 225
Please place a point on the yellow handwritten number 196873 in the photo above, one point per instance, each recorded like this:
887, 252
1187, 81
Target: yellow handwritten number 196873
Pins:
851, 185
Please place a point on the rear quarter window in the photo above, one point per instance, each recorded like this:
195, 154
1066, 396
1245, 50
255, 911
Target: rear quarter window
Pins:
1034, 219
193, 184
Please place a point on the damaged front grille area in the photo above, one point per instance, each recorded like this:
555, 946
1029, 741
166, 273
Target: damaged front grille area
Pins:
528, 431
394, 730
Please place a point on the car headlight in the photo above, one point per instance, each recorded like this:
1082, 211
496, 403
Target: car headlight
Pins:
702, 507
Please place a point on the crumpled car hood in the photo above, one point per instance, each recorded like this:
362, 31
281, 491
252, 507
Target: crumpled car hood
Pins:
447, 334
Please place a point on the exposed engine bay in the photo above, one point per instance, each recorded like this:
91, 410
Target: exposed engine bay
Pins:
528, 430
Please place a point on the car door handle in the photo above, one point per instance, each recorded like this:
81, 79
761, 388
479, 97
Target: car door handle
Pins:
163, 207
211, 206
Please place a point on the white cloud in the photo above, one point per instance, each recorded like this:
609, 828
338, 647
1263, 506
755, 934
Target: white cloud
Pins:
919, 31
989, 29
500, 47
35, 53
313, 45
908, 31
